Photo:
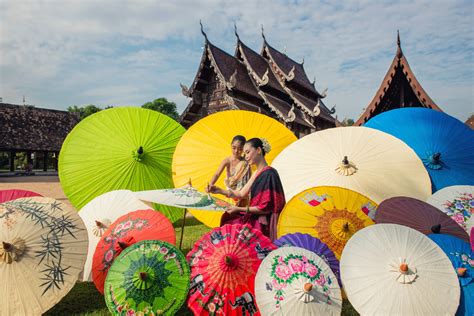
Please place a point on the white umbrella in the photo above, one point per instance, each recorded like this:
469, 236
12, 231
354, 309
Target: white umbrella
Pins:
43, 245
296, 281
102, 211
389, 269
365, 160
456, 201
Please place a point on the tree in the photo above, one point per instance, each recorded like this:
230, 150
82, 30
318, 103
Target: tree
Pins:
347, 122
164, 106
85, 111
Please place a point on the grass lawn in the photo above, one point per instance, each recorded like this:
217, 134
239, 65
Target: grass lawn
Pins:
84, 299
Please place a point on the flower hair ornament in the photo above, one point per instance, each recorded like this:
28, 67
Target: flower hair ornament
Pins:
266, 145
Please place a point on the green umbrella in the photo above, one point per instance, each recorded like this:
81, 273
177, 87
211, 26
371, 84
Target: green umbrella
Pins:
120, 148
150, 277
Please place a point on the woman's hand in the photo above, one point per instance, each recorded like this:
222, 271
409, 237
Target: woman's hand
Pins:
233, 209
213, 189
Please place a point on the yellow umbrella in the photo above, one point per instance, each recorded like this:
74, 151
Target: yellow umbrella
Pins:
205, 144
331, 214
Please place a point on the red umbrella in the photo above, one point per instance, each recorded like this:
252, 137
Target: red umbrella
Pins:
125, 231
418, 215
13, 194
224, 263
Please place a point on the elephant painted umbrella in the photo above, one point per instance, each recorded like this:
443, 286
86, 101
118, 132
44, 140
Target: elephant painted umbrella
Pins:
125, 231
443, 143
331, 214
43, 246
125, 148
9, 195
223, 267
390, 269
149, 278
418, 215
296, 281
460, 254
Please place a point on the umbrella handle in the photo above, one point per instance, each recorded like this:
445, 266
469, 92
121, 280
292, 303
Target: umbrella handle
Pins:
182, 229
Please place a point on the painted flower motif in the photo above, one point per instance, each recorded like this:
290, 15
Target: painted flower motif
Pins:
108, 239
118, 228
127, 225
119, 308
139, 224
283, 271
322, 280
311, 270
458, 218
164, 250
277, 285
459, 206
109, 255
296, 265
130, 312
211, 307
140, 313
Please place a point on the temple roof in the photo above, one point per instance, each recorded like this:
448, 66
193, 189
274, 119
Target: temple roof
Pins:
284, 111
470, 122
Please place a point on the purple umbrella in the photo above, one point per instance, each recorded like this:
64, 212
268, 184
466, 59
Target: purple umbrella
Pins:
313, 244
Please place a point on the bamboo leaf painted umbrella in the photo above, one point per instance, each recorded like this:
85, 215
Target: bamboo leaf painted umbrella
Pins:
124, 232
361, 159
296, 281
331, 214
102, 211
460, 254
150, 277
223, 267
13, 194
389, 269
43, 246
443, 143
207, 142
418, 215
125, 148
456, 201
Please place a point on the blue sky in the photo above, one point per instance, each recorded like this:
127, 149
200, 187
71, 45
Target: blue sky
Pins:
62, 53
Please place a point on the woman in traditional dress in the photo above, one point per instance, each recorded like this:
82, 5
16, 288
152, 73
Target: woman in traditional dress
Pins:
264, 190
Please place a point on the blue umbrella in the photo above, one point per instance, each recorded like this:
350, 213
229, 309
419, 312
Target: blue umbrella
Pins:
460, 254
443, 143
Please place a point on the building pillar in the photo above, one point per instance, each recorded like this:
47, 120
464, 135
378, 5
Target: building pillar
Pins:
12, 160
45, 161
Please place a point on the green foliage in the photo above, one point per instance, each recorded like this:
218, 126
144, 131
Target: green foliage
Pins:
347, 122
164, 106
85, 111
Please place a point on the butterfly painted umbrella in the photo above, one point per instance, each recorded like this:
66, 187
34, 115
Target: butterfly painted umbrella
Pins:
149, 278
207, 142
390, 269
296, 281
124, 232
443, 143
223, 267
13, 194
124, 148
331, 214
42, 251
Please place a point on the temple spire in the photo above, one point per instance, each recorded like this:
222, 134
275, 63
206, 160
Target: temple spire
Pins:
399, 47
202, 31
263, 35
235, 32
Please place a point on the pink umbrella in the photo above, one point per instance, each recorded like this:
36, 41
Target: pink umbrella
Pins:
13, 194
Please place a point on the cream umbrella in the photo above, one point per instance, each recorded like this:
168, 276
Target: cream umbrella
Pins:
389, 269
296, 281
362, 159
102, 211
42, 251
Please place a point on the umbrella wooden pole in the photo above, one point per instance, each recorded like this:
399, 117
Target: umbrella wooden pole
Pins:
182, 229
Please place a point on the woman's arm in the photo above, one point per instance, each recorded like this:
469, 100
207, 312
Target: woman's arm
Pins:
222, 166
252, 209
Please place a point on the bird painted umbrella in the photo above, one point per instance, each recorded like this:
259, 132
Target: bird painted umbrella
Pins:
458, 202
116, 149
418, 215
99, 213
292, 280
125, 231
460, 254
389, 269
223, 267
150, 277
207, 142
443, 143
43, 246
13, 194
370, 162
331, 214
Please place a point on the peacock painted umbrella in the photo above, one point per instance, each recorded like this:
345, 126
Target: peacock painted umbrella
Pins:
99, 213
120, 148
443, 143
125, 231
223, 267
207, 142
13, 194
296, 281
149, 278
418, 215
370, 162
460, 254
457, 201
331, 214
42, 251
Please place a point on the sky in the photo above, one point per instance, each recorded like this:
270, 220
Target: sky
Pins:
114, 52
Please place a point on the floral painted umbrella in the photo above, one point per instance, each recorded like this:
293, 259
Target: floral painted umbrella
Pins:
331, 214
458, 202
223, 267
9, 195
149, 278
43, 246
125, 231
295, 281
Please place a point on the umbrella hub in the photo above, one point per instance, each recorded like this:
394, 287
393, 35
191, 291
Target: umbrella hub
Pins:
346, 167
307, 287
461, 271
436, 229
138, 154
13, 251
229, 262
100, 227
433, 161
405, 273
403, 268
144, 278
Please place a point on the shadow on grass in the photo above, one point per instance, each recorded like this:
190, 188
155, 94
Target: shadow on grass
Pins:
190, 221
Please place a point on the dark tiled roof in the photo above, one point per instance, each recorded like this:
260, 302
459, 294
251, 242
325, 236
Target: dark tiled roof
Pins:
30, 128
282, 109
311, 104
